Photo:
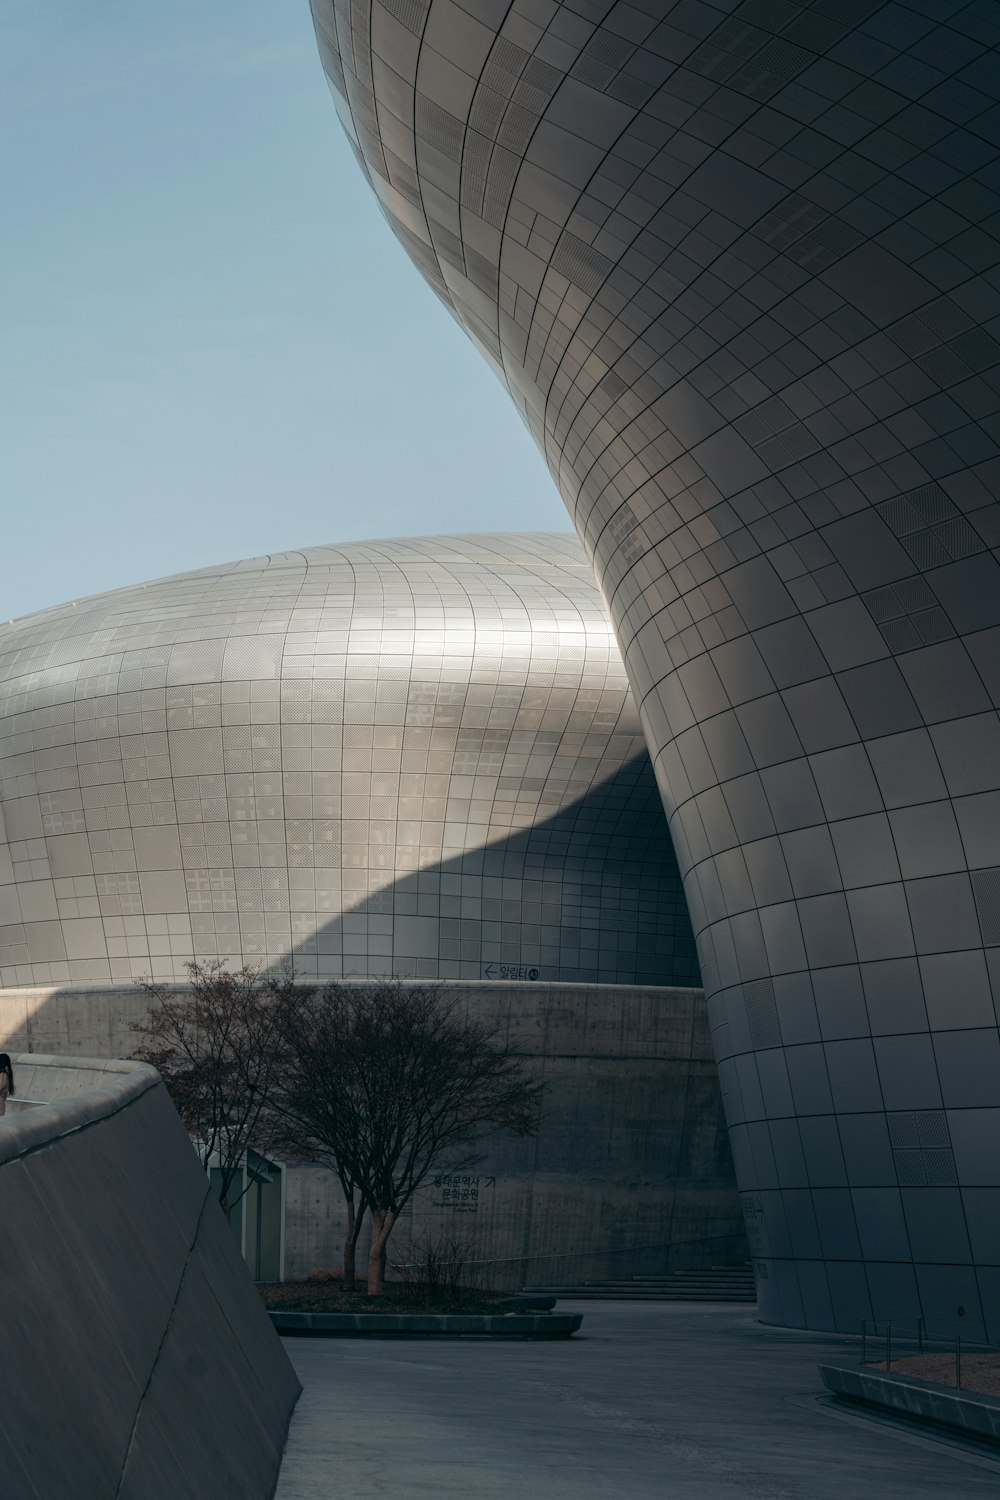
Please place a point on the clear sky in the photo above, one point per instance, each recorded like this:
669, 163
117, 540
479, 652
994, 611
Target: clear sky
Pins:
211, 345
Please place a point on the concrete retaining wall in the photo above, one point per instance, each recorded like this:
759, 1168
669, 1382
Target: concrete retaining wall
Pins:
137, 1360
630, 1172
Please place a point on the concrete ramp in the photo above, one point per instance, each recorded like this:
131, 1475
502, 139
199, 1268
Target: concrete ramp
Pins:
136, 1360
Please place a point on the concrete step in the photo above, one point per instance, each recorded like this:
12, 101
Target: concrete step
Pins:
685, 1281
725, 1273
592, 1294
718, 1284
671, 1286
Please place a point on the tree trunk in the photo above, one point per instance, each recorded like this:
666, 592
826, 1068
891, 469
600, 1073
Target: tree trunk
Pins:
382, 1222
354, 1222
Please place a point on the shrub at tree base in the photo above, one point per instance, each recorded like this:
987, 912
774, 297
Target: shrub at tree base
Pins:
443, 1266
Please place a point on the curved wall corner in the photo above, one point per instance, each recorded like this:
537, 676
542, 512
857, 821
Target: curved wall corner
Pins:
738, 270
138, 1361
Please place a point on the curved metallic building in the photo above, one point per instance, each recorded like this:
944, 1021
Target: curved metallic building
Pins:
418, 757
738, 267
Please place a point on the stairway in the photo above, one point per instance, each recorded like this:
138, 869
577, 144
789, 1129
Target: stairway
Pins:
719, 1284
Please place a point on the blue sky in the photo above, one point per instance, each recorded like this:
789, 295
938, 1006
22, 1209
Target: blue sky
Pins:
211, 346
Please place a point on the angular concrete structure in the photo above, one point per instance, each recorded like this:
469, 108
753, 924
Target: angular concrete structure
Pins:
138, 1361
738, 270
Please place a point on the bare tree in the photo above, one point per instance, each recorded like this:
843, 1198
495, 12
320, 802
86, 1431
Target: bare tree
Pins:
217, 1049
388, 1078
316, 1103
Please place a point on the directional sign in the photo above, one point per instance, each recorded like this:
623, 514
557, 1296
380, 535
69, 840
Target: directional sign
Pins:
459, 1191
510, 971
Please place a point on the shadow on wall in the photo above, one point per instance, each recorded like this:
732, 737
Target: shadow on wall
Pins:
573, 933
591, 895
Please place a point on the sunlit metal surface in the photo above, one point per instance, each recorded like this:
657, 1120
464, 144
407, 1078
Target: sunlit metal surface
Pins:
418, 757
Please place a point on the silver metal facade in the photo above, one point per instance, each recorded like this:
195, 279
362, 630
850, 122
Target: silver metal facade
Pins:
738, 267
418, 757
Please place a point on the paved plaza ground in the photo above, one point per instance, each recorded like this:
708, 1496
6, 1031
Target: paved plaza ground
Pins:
692, 1401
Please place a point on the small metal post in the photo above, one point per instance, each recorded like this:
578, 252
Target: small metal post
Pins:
920, 1335
864, 1341
958, 1361
888, 1347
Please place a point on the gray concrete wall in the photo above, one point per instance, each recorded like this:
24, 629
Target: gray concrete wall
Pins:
137, 1362
90, 1021
630, 1171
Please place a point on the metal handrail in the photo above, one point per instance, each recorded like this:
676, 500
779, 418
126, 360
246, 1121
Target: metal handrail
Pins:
924, 1343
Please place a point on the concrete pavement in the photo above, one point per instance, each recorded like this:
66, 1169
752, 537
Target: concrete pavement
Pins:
648, 1402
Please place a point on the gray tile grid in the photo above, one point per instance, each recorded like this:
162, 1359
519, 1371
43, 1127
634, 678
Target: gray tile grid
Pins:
418, 757
737, 265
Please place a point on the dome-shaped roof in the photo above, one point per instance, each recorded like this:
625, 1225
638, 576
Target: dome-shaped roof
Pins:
416, 755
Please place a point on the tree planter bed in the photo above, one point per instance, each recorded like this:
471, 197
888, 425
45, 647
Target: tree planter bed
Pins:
531, 1325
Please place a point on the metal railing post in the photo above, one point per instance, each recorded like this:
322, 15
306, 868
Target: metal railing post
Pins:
888, 1347
958, 1361
864, 1341
920, 1335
